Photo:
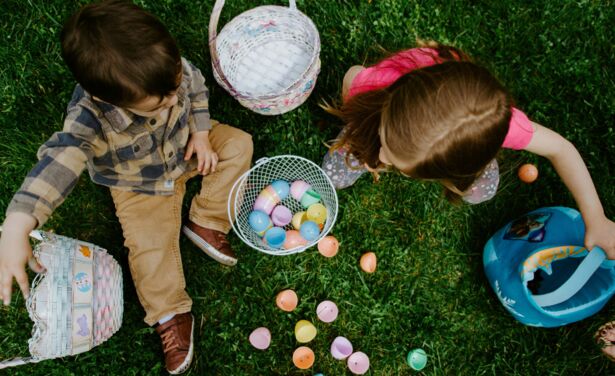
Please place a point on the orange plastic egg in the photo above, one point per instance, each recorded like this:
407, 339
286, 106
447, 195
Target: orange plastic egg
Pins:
368, 262
528, 173
287, 300
303, 357
328, 246
293, 239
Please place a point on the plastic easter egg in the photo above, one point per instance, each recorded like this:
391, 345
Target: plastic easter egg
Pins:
281, 215
341, 348
327, 311
305, 331
293, 240
368, 262
317, 213
303, 357
309, 230
260, 338
287, 300
298, 219
309, 198
259, 222
266, 200
281, 187
358, 363
328, 246
318, 374
528, 173
298, 188
417, 359
275, 237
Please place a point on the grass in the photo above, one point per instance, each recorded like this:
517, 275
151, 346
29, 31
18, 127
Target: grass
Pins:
429, 290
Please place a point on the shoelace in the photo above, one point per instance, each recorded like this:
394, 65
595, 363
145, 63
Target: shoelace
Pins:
222, 238
168, 341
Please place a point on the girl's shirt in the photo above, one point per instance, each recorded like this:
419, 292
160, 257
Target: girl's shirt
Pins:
389, 70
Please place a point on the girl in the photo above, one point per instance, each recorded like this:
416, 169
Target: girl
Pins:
432, 114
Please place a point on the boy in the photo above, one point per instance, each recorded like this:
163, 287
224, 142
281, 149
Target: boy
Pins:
139, 121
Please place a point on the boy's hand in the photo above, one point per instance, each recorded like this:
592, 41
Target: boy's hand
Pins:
600, 231
15, 253
207, 157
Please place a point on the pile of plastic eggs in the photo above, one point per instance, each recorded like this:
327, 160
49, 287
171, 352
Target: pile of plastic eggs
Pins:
278, 225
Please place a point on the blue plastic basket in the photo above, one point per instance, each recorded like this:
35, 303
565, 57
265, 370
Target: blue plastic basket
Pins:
541, 272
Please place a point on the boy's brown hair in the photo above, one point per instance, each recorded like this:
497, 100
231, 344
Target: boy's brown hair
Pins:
443, 122
120, 53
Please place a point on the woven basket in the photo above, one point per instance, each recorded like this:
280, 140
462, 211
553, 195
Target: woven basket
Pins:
76, 304
267, 58
285, 167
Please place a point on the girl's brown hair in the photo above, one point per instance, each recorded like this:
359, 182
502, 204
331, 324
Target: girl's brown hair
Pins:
120, 53
443, 122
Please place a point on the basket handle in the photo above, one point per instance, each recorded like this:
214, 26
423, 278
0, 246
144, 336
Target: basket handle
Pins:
213, 35
595, 259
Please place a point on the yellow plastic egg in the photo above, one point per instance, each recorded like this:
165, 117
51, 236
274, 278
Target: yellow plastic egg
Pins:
287, 300
328, 246
298, 219
317, 213
368, 262
305, 331
303, 357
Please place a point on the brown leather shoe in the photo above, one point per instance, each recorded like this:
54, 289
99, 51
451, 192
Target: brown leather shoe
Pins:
177, 344
212, 242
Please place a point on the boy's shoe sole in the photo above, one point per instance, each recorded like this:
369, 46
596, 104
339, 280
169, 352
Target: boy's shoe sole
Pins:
208, 248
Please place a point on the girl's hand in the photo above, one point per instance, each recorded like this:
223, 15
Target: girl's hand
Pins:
600, 231
207, 157
15, 253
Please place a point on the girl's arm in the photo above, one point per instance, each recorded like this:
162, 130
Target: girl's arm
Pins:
600, 231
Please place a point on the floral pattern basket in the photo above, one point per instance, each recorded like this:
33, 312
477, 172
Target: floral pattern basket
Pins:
76, 303
267, 58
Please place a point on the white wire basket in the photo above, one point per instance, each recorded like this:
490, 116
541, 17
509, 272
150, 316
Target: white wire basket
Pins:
283, 167
267, 58
76, 303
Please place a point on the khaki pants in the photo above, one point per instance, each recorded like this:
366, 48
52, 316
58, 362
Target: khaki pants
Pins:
152, 224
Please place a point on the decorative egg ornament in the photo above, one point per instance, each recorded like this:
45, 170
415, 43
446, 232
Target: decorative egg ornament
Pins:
417, 359
303, 357
328, 246
305, 331
327, 311
287, 300
528, 173
358, 363
368, 262
260, 338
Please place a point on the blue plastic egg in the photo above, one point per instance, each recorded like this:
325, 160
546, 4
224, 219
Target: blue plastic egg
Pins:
260, 222
275, 237
309, 230
281, 188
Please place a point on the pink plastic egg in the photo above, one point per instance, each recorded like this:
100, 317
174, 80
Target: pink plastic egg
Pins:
327, 311
328, 246
281, 215
294, 239
341, 348
266, 200
358, 363
260, 338
298, 188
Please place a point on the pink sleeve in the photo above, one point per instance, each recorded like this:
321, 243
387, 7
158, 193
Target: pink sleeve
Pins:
520, 131
389, 70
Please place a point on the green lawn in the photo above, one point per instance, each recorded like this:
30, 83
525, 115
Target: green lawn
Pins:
429, 291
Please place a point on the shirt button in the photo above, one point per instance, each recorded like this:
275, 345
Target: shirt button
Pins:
152, 122
170, 154
136, 148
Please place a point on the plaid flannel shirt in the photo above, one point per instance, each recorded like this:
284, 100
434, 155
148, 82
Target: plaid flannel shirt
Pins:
120, 149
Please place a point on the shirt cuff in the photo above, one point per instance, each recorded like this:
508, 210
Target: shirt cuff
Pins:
26, 203
200, 120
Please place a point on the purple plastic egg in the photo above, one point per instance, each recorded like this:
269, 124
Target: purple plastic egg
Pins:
260, 338
341, 348
281, 215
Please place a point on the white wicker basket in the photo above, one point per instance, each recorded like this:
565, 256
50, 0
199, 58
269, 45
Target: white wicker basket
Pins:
76, 304
285, 167
267, 58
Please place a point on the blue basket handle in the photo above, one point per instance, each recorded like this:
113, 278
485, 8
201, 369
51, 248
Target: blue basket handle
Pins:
595, 259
